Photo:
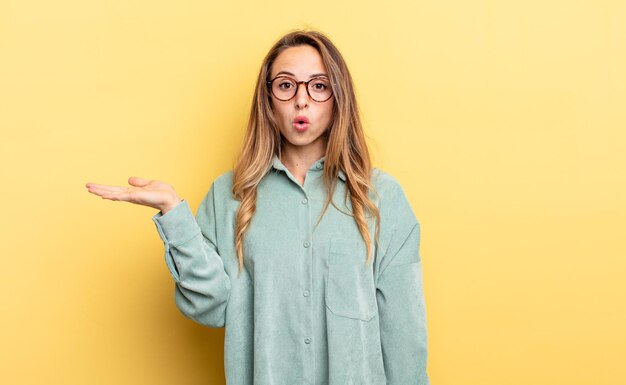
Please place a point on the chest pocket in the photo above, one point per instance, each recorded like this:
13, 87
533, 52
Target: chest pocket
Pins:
350, 290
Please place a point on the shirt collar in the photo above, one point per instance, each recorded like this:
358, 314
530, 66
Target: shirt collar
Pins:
317, 166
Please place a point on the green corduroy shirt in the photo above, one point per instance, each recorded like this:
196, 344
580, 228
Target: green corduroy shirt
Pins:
305, 309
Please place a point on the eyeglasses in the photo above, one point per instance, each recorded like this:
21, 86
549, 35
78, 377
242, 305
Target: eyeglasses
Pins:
285, 88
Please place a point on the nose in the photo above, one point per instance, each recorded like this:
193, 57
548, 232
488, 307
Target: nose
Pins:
302, 97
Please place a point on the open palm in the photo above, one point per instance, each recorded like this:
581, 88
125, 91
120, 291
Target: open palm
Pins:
151, 193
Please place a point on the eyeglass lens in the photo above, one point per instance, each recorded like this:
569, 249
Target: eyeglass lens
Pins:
285, 88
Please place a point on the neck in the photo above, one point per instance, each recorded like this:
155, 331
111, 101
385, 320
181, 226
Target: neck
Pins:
299, 159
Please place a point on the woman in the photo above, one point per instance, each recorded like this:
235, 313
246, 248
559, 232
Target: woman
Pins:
306, 255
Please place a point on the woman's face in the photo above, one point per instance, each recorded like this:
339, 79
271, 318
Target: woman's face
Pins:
301, 120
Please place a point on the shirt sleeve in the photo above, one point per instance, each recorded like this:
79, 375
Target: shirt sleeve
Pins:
399, 292
202, 287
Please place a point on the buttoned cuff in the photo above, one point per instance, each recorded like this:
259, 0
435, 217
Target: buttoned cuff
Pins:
178, 225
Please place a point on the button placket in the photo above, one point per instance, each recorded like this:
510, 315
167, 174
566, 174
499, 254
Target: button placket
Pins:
309, 212
309, 314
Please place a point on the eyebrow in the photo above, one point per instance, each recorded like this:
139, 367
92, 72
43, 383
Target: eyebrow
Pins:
291, 74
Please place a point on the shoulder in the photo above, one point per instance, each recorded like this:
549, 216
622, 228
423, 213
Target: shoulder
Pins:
221, 188
219, 198
385, 184
224, 182
391, 199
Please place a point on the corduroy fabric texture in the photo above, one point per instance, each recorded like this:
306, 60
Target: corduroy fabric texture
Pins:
305, 309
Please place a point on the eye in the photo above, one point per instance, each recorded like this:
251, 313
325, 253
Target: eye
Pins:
285, 85
319, 85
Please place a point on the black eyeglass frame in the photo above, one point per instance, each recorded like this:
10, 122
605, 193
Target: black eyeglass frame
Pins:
306, 87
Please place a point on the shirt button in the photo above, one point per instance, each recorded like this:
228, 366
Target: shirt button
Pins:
305, 293
307, 340
305, 201
319, 166
306, 244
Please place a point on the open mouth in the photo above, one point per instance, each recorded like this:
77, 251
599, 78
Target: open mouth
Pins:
301, 123
301, 120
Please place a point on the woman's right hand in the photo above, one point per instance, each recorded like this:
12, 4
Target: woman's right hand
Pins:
151, 193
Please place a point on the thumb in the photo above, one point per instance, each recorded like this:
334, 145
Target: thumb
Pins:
138, 182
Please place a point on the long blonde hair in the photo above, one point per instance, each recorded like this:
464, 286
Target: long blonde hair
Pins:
346, 148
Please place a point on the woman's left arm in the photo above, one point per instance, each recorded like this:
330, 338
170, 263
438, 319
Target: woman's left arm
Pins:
399, 294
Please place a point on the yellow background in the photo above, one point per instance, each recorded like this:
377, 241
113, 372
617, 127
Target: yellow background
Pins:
504, 122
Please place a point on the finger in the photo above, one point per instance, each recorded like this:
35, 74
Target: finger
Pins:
91, 184
138, 182
120, 196
127, 196
95, 185
106, 188
107, 191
